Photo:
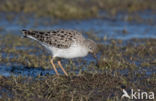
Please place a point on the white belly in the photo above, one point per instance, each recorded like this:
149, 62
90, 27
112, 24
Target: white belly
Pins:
72, 52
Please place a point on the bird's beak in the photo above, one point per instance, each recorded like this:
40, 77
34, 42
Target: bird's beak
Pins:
94, 55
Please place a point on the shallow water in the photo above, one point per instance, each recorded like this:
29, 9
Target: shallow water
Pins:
103, 28
24, 71
111, 28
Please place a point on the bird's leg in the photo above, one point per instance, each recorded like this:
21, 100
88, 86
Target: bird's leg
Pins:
54, 67
59, 63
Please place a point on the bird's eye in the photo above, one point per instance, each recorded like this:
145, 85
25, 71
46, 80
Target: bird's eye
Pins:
90, 48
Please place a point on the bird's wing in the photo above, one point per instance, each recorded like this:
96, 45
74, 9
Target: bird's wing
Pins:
57, 38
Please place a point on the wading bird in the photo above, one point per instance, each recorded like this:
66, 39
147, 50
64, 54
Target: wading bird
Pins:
62, 43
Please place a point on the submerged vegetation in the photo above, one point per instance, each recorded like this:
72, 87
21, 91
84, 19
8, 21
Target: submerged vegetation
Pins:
121, 64
77, 9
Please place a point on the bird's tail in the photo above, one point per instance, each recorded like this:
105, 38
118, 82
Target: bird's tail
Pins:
36, 35
25, 33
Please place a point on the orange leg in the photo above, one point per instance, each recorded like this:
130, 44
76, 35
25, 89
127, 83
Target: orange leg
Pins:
59, 63
54, 67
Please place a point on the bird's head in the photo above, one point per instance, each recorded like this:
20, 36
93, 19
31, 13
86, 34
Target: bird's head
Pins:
91, 46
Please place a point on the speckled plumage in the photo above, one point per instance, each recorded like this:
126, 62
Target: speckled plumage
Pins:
63, 43
57, 38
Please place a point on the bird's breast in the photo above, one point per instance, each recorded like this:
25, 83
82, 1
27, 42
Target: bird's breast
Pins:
72, 52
